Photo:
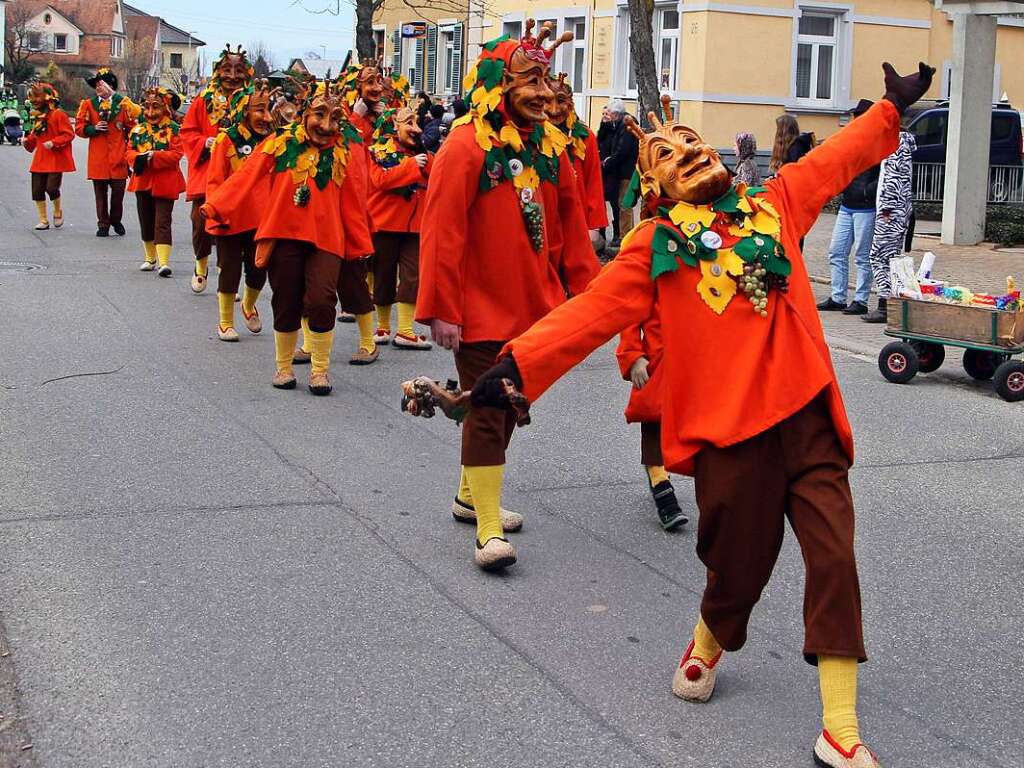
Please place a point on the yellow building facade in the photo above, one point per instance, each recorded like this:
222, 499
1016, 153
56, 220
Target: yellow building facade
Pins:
728, 66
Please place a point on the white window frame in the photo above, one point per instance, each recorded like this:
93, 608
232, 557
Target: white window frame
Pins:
624, 61
842, 42
382, 31
512, 24
445, 54
671, 35
57, 48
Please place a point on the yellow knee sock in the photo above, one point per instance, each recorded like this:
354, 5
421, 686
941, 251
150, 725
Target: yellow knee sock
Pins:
201, 266
319, 350
704, 644
58, 210
284, 349
41, 210
249, 296
464, 494
365, 324
226, 305
149, 249
656, 475
163, 254
369, 281
304, 322
406, 312
837, 677
485, 486
384, 317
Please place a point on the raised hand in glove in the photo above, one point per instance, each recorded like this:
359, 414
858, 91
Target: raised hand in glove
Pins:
489, 391
904, 91
139, 166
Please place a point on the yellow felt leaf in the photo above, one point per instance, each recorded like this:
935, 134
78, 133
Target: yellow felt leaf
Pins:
765, 223
469, 80
338, 170
743, 230
690, 217
478, 95
527, 179
768, 208
492, 100
462, 120
744, 205
717, 290
509, 135
484, 133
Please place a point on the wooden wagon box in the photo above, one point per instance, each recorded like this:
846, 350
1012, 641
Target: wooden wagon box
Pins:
972, 324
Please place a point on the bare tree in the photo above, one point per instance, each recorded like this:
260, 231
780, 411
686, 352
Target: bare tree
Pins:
262, 58
18, 42
138, 65
641, 56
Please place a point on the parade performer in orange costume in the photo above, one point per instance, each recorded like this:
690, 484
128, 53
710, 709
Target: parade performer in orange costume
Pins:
751, 406
314, 220
105, 121
154, 154
582, 148
502, 229
399, 169
49, 138
218, 106
236, 244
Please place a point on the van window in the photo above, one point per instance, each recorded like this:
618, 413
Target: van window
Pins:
1002, 127
930, 129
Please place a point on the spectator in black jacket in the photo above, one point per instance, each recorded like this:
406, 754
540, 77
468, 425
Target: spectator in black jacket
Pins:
854, 225
618, 149
433, 132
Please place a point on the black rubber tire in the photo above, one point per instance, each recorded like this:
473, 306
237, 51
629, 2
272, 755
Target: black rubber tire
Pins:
929, 356
898, 362
981, 364
1008, 381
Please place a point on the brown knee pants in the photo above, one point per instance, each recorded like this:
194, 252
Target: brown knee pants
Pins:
46, 184
234, 251
353, 292
486, 432
202, 241
154, 218
396, 267
650, 444
305, 282
796, 470
109, 201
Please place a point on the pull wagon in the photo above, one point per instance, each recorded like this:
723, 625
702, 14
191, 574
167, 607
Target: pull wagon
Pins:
989, 337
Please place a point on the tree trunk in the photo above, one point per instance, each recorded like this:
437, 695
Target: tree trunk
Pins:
364, 29
641, 54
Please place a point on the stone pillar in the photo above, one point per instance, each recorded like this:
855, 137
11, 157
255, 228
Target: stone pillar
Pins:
970, 127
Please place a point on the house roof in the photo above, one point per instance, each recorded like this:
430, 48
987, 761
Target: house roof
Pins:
54, 11
168, 32
93, 17
320, 67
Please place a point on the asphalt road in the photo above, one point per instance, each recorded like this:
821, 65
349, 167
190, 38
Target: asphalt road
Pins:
199, 570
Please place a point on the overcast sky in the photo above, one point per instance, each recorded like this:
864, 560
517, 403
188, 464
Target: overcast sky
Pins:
287, 29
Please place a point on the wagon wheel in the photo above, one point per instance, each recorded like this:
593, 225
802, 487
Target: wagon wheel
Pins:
1009, 381
929, 355
981, 364
898, 362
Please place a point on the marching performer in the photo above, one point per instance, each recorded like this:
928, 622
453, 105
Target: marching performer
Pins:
49, 138
105, 121
154, 154
218, 106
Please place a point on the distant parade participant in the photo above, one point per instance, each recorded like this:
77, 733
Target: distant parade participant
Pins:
105, 121
154, 154
502, 229
364, 89
583, 152
216, 107
236, 245
314, 220
49, 138
399, 169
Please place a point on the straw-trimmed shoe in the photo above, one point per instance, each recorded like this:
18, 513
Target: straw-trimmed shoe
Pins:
828, 754
466, 513
694, 680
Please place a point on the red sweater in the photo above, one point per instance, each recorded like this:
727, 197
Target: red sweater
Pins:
58, 130
643, 341
591, 184
394, 207
478, 268
162, 177
248, 218
196, 128
732, 376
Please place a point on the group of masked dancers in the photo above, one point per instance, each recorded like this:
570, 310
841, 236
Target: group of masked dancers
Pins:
325, 190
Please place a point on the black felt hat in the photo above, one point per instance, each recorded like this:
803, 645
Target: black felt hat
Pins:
862, 106
105, 75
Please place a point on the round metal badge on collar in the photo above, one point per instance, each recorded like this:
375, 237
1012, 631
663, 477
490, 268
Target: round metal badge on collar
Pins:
671, 246
246, 149
526, 195
711, 240
716, 270
516, 166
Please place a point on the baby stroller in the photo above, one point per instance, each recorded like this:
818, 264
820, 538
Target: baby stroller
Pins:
13, 130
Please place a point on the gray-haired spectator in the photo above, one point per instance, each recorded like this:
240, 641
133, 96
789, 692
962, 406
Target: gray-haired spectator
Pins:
747, 171
618, 149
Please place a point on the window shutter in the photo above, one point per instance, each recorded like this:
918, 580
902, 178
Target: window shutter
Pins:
455, 86
431, 59
396, 50
417, 84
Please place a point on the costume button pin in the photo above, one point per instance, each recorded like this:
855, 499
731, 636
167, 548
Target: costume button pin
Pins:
711, 240
516, 166
246, 149
671, 246
526, 195
716, 270
758, 241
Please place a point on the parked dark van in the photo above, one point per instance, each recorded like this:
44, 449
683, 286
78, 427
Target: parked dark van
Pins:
931, 125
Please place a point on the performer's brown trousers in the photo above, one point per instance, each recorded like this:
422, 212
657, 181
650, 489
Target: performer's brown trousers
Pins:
46, 185
396, 267
154, 218
486, 432
111, 190
305, 282
650, 444
234, 252
797, 470
202, 241
353, 292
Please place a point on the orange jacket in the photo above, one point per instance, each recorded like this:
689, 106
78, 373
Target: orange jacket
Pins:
58, 130
220, 170
334, 219
363, 124
396, 195
478, 268
107, 149
162, 177
732, 376
196, 128
643, 341
590, 183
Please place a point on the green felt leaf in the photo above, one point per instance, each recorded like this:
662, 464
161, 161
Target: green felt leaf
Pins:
727, 203
632, 196
491, 45
746, 249
756, 190
324, 168
779, 265
666, 246
489, 72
